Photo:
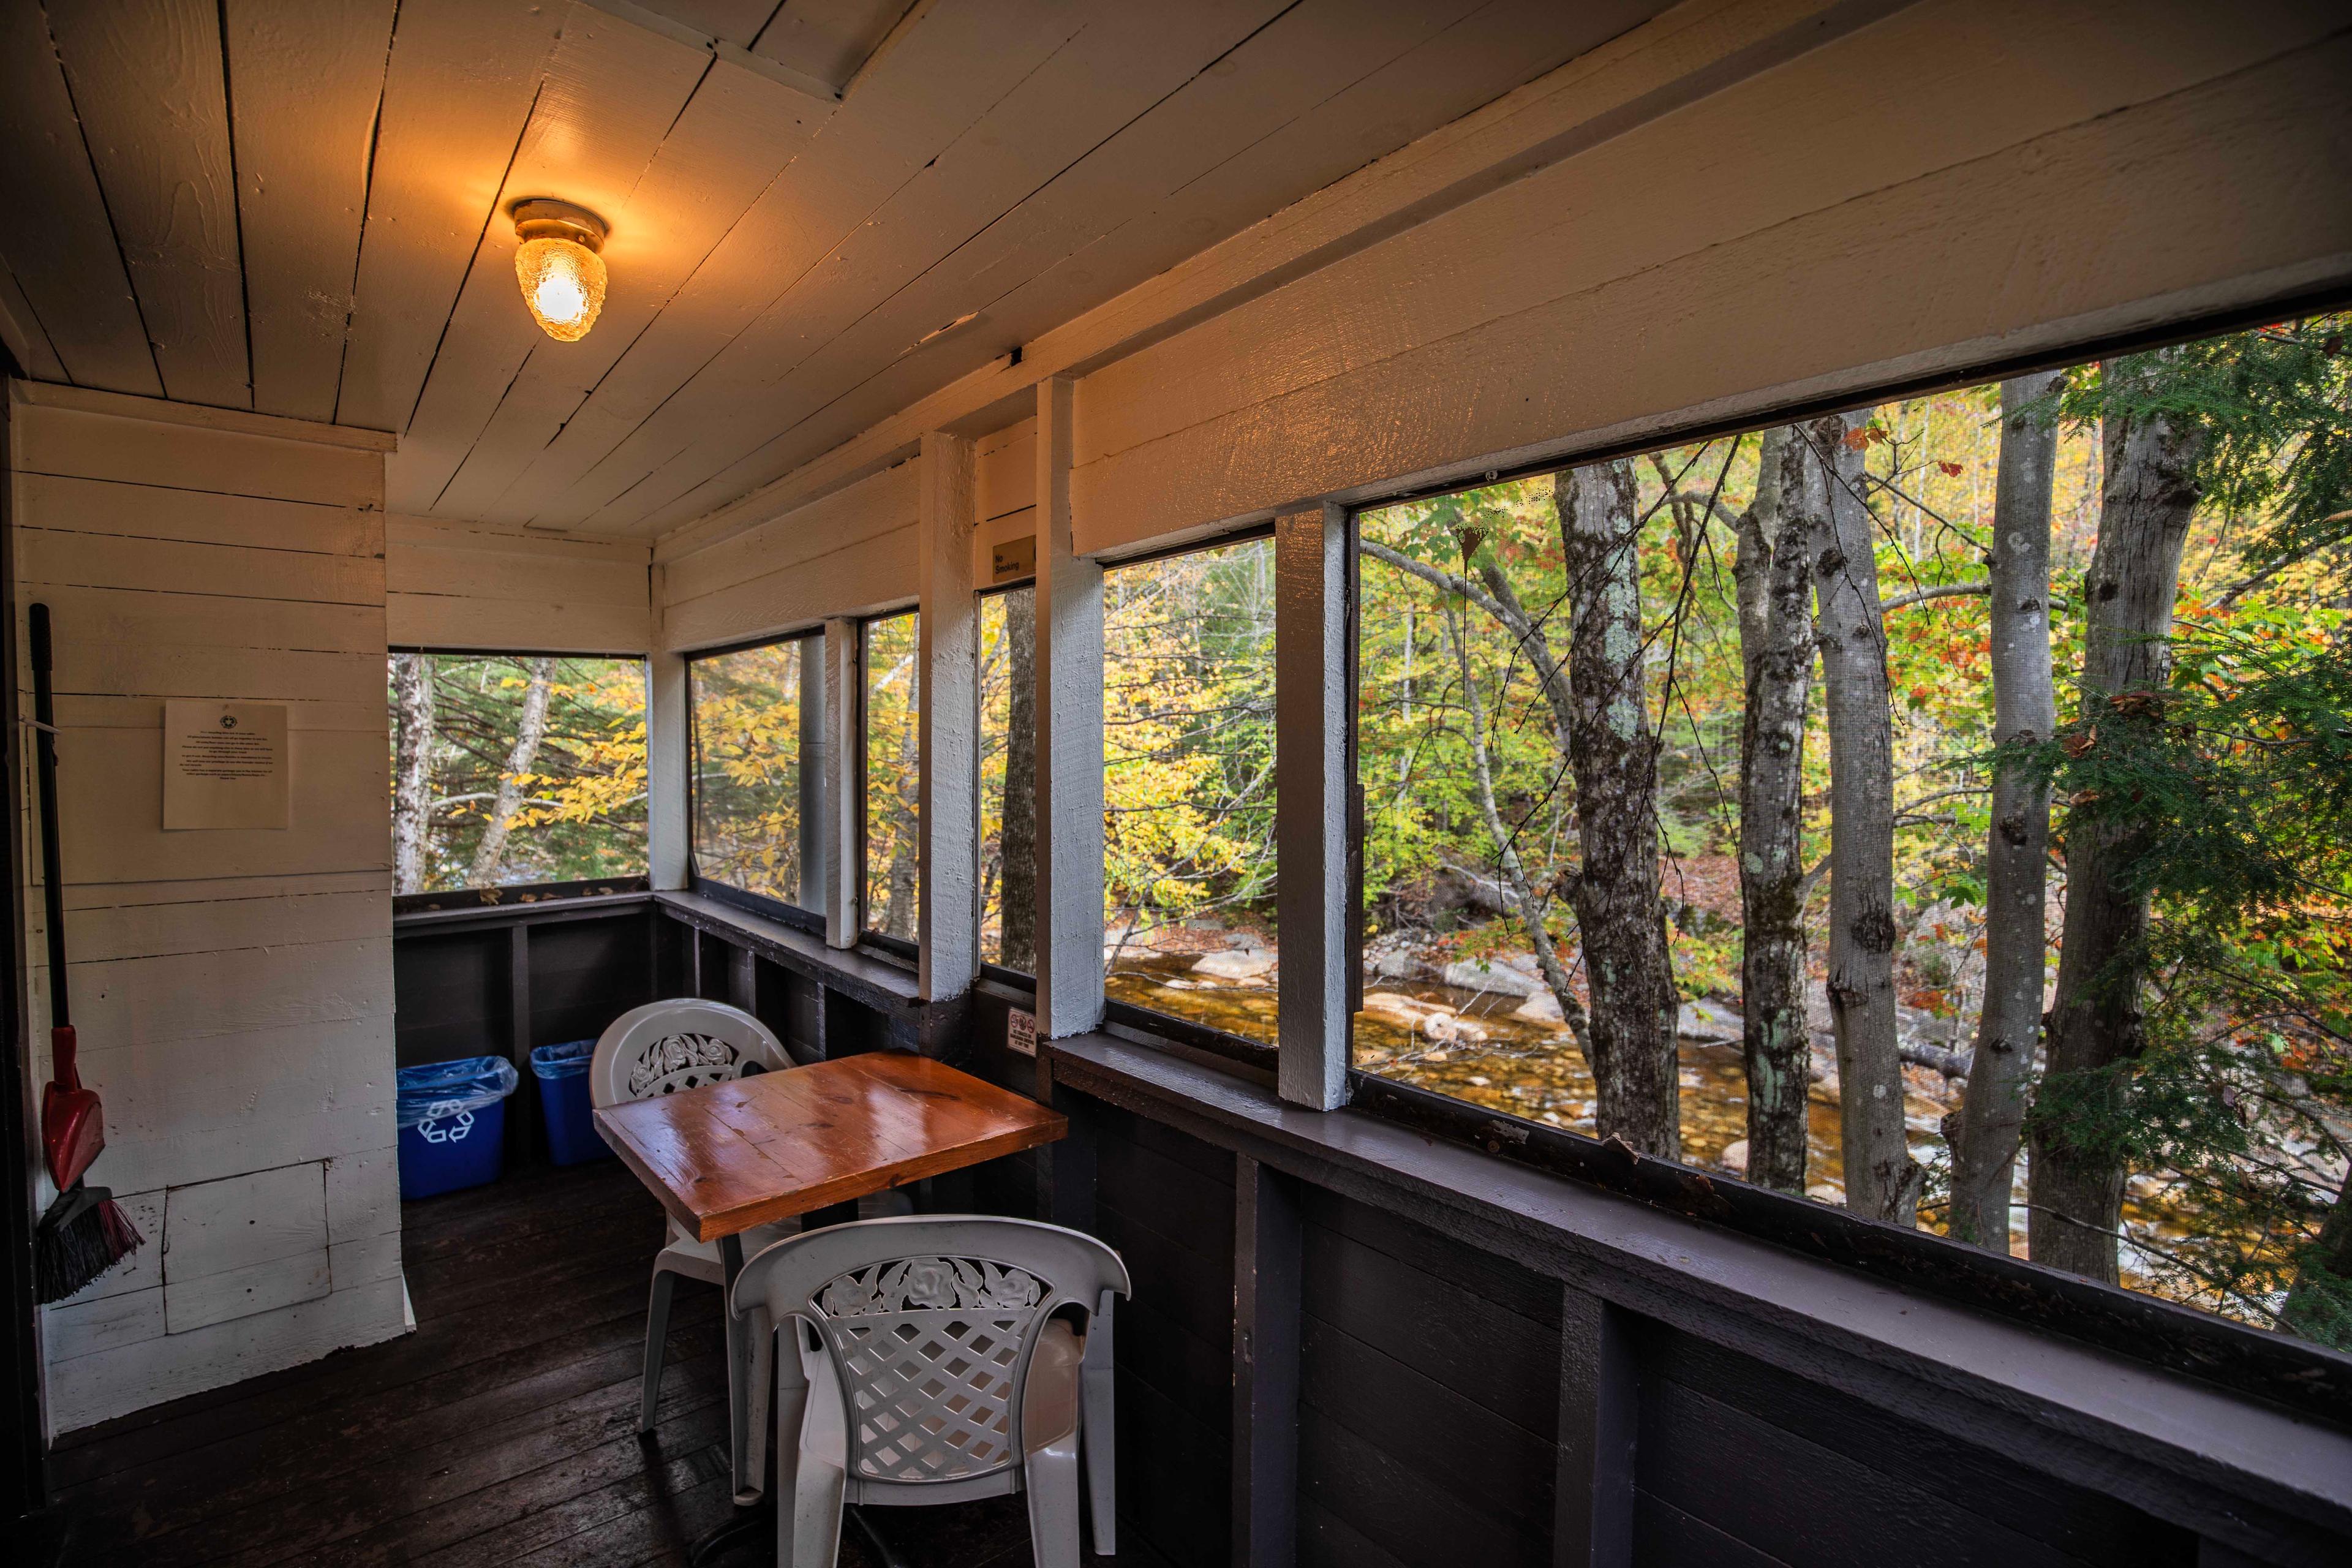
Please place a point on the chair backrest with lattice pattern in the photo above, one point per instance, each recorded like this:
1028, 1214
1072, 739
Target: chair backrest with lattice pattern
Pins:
665, 1046
930, 1322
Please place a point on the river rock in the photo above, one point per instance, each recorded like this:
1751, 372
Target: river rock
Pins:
1239, 966
1708, 1023
1514, 975
1733, 1157
1543, 1007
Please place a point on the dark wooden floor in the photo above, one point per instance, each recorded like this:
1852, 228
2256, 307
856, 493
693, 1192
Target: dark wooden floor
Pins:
502, 1432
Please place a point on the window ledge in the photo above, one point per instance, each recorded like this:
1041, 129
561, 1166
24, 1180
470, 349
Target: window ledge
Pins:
525, 911
2192, 1451
860, 975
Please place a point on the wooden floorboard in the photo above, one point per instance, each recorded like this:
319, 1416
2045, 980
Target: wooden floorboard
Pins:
502, 1434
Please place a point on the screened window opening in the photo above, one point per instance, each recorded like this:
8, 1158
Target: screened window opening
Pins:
1608, 718
510, 769
1008, 779
1188, 787
892, 648
759, 726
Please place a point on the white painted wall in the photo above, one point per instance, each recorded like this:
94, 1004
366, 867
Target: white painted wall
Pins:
849, 553
233, 990
453, 586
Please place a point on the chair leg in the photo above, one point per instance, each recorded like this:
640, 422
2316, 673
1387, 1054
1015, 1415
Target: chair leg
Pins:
809, 1484
748, 1481
758, 1380
1100, 1431
1050, 1479
657, 1343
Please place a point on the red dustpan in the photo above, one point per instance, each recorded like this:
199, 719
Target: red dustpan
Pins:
72, 1131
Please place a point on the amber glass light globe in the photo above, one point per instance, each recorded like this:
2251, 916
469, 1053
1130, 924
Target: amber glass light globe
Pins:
563, 277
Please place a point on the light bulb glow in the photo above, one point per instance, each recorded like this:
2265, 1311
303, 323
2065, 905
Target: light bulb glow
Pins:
563, 285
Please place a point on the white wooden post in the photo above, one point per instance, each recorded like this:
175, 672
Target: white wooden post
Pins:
949, 915
1311, 785
815, 846
1069, 743
844, 686
667, 762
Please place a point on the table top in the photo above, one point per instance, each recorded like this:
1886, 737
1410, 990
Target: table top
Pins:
728, 1156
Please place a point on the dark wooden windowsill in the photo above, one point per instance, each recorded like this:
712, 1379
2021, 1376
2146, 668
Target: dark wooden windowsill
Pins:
858, 974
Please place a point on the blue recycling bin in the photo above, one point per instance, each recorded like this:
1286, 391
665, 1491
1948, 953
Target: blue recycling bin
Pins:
452, 1118
563, 1101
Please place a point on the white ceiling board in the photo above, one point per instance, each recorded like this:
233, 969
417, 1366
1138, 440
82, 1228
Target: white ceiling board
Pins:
58, 240
1237, 143
829, 39
1124, 61
957, 60
28, 345
736, 21
147, 83
304, 83
460, 86
612, 92
740, 130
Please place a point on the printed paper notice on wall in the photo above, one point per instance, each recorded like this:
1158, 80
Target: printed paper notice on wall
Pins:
225, 765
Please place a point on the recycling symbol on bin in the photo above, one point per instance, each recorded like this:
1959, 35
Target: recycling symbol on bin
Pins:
433, 1131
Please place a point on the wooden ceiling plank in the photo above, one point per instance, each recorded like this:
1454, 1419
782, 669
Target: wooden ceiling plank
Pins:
955, 61
1125, 60
1372, 90
1232, 147
1685, 53
148, 82
611, 93
738, 22
29, 349
458, 92
828, 39
67, 266
738, 131
304, 83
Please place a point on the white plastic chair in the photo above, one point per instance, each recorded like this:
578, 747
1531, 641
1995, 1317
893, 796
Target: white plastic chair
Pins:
941, 1358
660, 1048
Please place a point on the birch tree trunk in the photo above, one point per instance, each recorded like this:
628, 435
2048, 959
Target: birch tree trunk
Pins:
529, 733
1881, 1179
2151, 492
1992, 1114
1620, 920
1776, 650
1017, 841
899, 913
412, 770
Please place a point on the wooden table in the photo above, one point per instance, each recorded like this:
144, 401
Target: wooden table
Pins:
729, 1156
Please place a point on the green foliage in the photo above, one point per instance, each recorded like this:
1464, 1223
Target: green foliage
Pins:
581, 810
2276, 405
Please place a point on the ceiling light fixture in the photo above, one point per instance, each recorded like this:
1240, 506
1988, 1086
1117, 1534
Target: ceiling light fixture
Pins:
563, 277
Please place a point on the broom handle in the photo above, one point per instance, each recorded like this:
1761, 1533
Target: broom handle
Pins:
53, 889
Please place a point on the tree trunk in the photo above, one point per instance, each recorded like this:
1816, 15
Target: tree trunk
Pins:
898, 914
1882, 1181
1776, 650
2151, 492
2319, 1303
1992, 1113
412, 770
1620, 920
1016, 902
529, 733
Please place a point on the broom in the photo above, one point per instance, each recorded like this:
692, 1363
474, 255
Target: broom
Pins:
85, 1233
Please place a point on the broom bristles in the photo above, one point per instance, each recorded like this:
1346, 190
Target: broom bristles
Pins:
84, 1234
